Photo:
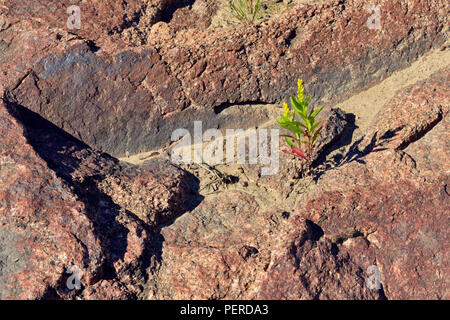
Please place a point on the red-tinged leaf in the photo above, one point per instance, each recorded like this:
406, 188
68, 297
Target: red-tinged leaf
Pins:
298, 152
288, 152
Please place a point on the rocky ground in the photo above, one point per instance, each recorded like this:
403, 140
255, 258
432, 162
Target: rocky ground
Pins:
86, 180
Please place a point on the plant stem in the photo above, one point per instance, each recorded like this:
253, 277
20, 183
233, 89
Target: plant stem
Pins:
309, 155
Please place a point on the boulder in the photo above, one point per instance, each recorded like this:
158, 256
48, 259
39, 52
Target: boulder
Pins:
64, 205
119, 97
393, 192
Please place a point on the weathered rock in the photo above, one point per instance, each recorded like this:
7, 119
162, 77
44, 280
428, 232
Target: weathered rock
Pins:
156, 192
426, 103
327, 43
129, 21
218, 249
119, 99
44, 227
98, 18
107, 290
394, 194
63, 204
198, 15
307, 267
88, 108
223, 250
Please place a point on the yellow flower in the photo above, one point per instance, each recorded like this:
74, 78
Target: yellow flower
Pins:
286, 109
300, 95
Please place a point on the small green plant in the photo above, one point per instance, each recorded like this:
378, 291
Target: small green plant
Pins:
306, 131
244, 10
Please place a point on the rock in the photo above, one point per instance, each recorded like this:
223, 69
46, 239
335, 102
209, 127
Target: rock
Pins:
219, 250
63, 204
98, 18
107, 290
223, 250
268, 59
156, 192
426, 107
109, 94
146, 97
394, 194
124, 83
195, 16
44, 228
307, 267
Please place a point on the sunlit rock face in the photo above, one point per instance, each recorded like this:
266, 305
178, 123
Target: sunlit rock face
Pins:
77, 223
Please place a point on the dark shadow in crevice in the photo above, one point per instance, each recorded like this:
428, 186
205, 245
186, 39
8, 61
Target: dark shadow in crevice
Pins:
223, 106
167, 14
382, 293
92, 46
334, 249
291, 36
316, 231
50, 294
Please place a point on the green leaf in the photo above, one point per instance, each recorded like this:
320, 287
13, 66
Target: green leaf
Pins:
316, 135
258, 2
314, 113
299, 138
315, 125
290, 138
299, 124
296, 105
308, 124
290, 141
289, 126
307, 101
304, 118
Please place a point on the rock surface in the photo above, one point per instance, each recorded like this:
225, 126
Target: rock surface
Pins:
394, 192
307, 267
118, 98
215, 248
63, 204
125, 81
44, 227
385, 205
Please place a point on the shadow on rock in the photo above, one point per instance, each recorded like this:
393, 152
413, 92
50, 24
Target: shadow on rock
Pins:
64, 155
118, 197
